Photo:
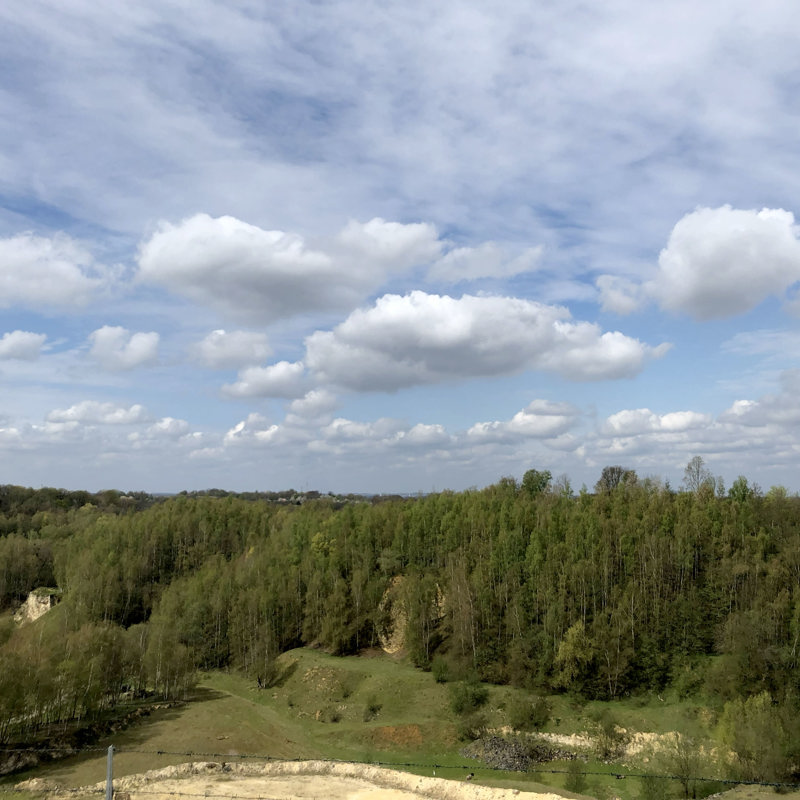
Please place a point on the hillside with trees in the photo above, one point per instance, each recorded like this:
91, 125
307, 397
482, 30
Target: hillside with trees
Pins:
630, 589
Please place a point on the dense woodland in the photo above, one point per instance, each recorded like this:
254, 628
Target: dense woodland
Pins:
634, 587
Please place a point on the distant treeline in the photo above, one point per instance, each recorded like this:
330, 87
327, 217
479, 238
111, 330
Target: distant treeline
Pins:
631, 588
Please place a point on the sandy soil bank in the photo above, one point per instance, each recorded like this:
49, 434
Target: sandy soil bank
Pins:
297, 780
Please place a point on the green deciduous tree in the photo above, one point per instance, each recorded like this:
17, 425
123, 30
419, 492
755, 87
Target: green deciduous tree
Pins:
681, 757
535, 481
695, 476
574, 658
614, 476
755, 732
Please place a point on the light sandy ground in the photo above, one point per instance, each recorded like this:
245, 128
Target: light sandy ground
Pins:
637, 744
297, 780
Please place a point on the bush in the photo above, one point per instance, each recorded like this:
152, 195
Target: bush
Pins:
653, 788
532, 714
269, 675
755, 733
440, 669
373, 709
680, 757
471, 726
467, 697
575, 780
610, 739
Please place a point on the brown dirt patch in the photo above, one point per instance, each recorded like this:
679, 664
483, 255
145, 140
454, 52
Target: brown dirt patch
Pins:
398, 736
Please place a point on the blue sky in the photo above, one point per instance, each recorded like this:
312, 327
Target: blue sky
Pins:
356, 247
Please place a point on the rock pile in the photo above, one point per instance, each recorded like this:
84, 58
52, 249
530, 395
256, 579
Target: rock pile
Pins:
515, 753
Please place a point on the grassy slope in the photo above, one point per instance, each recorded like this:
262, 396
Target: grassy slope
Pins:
317, 709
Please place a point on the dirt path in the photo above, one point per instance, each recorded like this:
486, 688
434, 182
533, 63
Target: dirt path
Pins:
297, 780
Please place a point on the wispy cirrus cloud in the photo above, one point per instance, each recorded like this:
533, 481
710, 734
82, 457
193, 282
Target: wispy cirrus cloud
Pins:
296, 176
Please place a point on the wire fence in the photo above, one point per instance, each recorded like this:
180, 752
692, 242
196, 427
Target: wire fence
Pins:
467, 768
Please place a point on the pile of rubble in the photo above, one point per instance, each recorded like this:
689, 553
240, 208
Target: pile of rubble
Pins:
518, 753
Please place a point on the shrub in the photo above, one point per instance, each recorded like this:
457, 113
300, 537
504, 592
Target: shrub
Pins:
440, 669
755, 732
531, 714
373, 709
610, 739
471, 726
575, 780
653, 788
467, 697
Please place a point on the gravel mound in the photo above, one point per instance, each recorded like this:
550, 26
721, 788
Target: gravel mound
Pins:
516, 753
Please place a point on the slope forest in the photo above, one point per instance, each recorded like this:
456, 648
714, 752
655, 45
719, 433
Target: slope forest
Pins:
632, 588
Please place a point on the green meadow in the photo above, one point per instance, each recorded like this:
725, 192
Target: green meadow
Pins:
377, 708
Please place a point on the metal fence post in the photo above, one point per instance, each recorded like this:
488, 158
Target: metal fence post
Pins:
109, 772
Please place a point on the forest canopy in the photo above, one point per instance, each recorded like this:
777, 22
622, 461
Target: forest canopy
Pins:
633, 588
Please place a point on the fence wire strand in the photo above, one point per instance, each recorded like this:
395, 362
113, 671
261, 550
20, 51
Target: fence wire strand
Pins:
226, 758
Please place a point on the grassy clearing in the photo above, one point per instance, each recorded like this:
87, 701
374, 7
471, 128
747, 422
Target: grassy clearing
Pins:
373, 709
213, 722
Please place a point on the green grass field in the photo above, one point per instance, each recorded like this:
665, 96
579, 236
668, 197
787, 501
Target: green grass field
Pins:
374, 709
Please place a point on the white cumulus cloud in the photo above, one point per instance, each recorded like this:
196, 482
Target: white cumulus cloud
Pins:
95, 412
55, 432
255, 429
115, 348
260, 275
630, 422
10, 436
724, 261
424, 338
38, 271
22, 345
389, 246
764, 432
284, 379
541, 419
225, 349
169, 428
315, 404
349, 436
779, 410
